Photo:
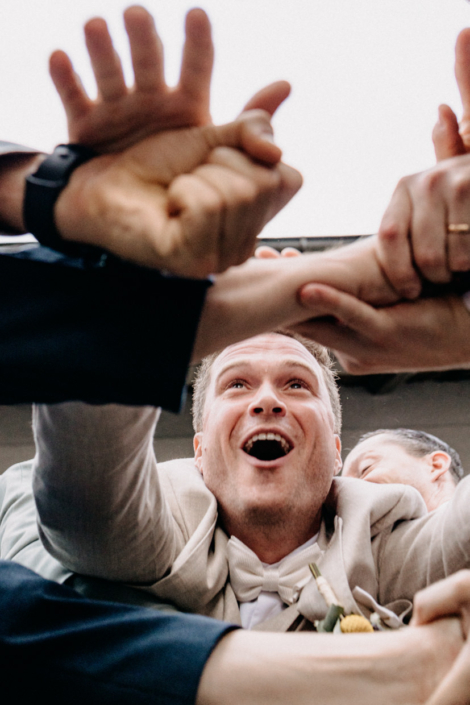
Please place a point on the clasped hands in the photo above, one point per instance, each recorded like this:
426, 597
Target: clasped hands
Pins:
192, 199
172, 190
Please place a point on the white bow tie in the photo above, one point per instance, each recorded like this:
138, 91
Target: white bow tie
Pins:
248, 576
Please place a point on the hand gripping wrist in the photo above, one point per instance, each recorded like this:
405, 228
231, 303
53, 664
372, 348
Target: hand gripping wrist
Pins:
44, 187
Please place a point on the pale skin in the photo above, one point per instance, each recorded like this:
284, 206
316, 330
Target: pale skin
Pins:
274, 669
423, 204
449, 597
259, 668
426, 333
262, 295
189, 200
382, 459
268, 384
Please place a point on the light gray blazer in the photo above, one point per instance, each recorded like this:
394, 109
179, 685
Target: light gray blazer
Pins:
106, 510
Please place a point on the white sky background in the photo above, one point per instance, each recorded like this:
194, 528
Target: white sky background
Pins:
367, 78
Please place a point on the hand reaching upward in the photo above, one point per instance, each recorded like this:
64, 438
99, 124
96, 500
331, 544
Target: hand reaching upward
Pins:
122, 115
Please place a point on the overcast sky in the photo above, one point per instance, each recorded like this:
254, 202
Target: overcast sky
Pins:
367, 78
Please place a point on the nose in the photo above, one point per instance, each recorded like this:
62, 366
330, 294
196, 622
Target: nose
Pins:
267, 402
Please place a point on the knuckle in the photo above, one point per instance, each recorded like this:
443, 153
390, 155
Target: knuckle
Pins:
461, 188
404, 183
403, 282
211, 201
430, 182
390, 233
220, 154
248, 192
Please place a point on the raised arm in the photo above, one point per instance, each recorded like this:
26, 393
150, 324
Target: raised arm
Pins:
155, 233
100, 508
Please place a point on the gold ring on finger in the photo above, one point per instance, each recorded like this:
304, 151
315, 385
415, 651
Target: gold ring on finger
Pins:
462, 228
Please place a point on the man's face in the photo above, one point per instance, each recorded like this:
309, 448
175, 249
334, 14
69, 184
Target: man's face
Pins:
268, 450
381, 459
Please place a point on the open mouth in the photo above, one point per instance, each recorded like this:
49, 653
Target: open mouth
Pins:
267, 446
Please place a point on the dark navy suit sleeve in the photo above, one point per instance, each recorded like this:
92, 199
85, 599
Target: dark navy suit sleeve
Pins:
62, 648
71, 330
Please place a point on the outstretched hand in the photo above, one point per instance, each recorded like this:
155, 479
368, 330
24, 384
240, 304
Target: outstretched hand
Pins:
120, 115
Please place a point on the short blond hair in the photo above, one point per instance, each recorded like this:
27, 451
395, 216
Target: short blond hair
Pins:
318, 352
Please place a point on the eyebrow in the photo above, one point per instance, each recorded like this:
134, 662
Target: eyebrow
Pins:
289, 364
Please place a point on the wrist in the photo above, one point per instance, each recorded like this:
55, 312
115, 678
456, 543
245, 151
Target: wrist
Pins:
14, 169
42, 190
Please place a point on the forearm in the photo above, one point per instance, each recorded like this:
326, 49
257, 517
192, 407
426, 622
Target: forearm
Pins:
14, 168
100, 509
262, 295
305, 669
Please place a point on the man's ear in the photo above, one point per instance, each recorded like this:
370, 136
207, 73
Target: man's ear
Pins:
338, 461
197, 443
440, 462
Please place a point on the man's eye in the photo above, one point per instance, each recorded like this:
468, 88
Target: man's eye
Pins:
236, 384
297, 384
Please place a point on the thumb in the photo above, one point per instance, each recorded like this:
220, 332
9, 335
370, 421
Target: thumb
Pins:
445, 135
269, 98
251, 132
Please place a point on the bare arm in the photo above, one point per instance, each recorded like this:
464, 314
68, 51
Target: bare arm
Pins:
273, 669
262, 294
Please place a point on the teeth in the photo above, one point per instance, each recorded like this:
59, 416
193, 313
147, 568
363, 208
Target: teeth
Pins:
267, 437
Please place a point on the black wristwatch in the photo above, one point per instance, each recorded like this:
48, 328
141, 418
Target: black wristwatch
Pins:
42, 191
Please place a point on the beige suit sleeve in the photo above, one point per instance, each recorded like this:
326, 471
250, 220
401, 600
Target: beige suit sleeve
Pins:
416, 553
100, 506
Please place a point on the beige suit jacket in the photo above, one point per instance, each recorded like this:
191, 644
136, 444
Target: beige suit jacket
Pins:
106, 509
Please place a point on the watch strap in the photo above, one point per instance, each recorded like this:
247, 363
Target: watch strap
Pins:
43, 188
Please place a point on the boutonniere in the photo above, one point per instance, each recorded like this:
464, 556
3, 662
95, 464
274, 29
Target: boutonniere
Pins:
348, 624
